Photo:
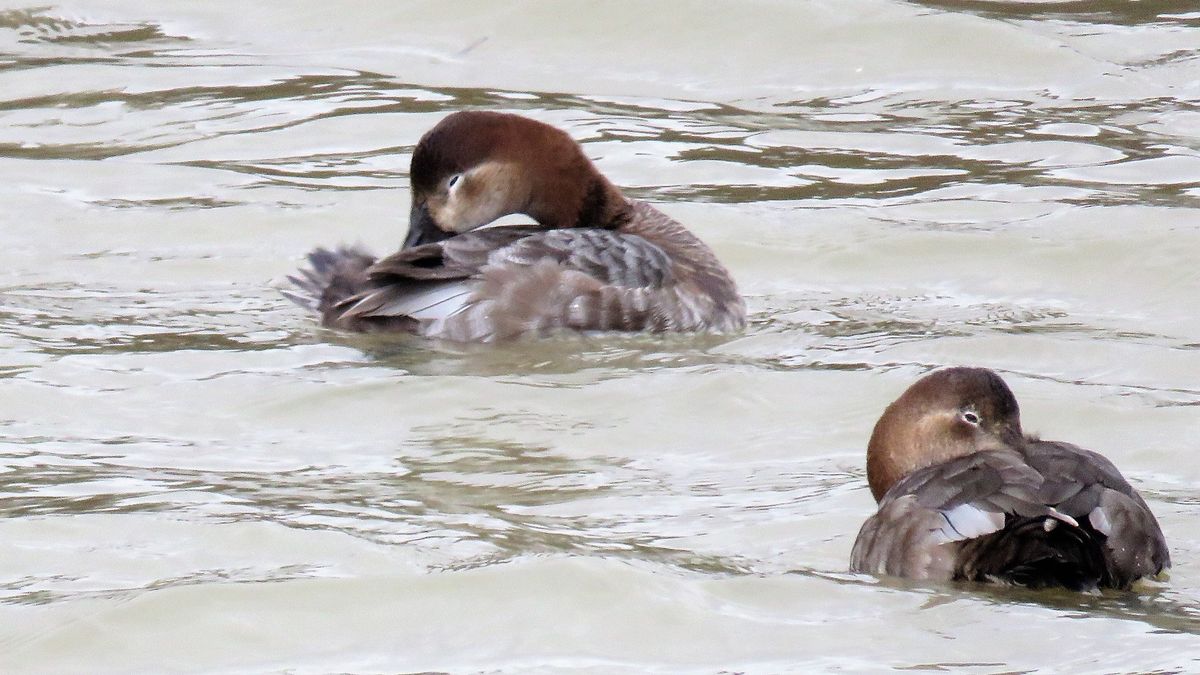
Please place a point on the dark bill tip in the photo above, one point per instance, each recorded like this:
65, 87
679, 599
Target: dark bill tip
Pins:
422, 229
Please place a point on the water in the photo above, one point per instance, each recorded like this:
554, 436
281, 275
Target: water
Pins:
196, 478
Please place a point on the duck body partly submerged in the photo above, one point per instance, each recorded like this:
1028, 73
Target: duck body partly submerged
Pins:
965, 495
593, 260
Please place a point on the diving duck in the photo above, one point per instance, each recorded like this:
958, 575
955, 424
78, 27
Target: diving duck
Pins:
592, 260
965, 494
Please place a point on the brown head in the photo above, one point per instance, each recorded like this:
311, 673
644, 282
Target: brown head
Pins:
477, 166
947, 414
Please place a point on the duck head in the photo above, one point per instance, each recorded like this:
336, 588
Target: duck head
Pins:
947, 414
476, 166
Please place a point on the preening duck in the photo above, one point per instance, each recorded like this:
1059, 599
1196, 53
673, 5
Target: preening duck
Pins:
593, 260
964, 494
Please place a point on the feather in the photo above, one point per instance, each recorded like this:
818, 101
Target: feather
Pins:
967, 521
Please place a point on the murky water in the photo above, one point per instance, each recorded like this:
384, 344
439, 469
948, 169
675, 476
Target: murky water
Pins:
196, 478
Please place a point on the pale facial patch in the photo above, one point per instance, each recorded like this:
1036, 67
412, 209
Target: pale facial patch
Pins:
489, 191
926, 442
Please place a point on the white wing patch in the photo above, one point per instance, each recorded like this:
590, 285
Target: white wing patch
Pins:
437, 302
966, 521
431, 303
1100, 521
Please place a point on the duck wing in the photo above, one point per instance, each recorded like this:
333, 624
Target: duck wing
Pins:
459, 257
604, 255
412, 288
1087, 486
927, 520
1051, 514
502, 282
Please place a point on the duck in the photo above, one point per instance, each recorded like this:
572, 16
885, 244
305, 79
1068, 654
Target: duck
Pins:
965, 495
592, 260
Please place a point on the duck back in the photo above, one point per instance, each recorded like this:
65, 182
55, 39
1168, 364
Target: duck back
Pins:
505, 282
1048, 515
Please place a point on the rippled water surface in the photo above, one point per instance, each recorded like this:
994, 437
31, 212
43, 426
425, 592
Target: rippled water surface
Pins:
197, 478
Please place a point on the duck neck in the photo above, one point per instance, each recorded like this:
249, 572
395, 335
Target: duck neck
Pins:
577, 195
882, 474
905, 441
603, 206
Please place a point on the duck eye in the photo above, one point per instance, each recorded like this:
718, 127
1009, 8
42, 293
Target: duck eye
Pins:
971, 417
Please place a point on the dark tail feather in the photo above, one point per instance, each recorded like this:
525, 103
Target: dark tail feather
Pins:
332, 277
1026, 553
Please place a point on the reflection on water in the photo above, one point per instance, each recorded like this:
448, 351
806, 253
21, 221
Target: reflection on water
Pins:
1110, 13
173, 428
870, 147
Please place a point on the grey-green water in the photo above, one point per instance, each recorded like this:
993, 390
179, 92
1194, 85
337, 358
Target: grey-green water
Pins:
193, 477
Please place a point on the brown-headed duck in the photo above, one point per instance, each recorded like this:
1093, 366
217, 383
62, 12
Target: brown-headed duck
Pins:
964, 494
593, 259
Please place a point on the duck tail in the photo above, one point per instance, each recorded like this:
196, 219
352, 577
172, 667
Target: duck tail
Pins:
332, 276
1042, 552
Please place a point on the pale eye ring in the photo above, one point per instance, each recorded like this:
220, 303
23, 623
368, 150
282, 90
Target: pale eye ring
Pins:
453, 181
971, 417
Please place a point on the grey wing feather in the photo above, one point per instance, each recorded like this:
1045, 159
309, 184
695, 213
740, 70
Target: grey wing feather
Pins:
608, 280
1086, 484
522, 280
426, 301
509, 281
1074, 477
609, 257
459, 257
1001, 480
1135, 543
906, 539
924, 516
925, 521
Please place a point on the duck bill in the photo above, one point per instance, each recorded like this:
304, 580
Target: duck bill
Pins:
422, 229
